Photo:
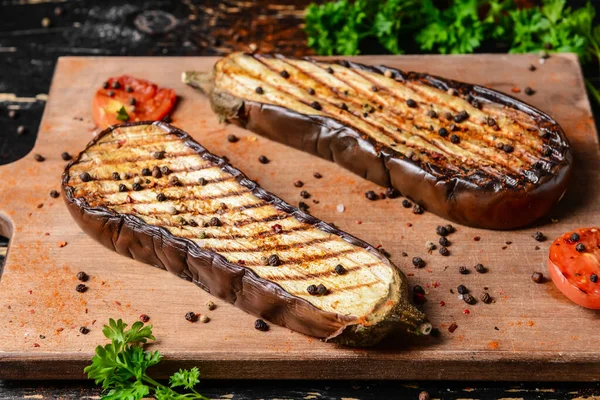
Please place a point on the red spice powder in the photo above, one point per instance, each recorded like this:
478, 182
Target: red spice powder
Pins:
493, 345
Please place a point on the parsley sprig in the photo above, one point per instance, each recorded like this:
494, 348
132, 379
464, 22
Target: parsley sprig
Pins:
121, 367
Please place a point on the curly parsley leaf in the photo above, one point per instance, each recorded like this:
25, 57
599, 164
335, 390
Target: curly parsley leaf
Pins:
122, 114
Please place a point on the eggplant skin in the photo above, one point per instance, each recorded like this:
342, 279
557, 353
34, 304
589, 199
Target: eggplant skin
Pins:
492, 205
130, 236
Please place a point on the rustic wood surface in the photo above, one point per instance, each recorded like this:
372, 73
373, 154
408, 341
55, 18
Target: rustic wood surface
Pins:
530, 332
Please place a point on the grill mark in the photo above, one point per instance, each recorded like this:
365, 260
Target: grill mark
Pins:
259, 204
177, 170
189, 198
343, 289
137, 159
165, 185
136, 144
268, 247
307, 258
270, 218
190, 235
308, 276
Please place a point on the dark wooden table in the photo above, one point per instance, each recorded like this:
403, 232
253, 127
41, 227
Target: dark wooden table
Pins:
34, 33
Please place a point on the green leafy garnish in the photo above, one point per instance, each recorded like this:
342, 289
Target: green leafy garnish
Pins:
121, 366
122, 114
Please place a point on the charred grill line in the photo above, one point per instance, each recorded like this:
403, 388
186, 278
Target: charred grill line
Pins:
270, 247
136, 159
158, 185
307, 259
192, 197
331, 273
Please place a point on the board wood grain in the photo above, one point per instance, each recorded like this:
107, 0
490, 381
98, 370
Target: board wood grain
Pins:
529, 332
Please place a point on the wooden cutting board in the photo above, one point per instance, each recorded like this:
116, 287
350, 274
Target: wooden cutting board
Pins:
530, 332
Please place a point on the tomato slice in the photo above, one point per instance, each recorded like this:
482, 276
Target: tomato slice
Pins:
150, 103
574, 265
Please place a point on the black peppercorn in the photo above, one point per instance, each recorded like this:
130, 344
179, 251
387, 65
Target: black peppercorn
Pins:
444, 251
532, 67
284, 74
392, 193
132, 101
486, 298
66, 156
304, 194
411, 103
259, 90
469, 299
81, 288
450, 228
161, 197
82, 276
312, 290
455, 139
374, 88
441, 230
537, 277
202, 181
116, 85
263, 160
444, 241
406, 203
418, 262
491, 121
156, 172
417, 209
146, 172
85, 177
461, 116
340, 270
539, 236
463, 270
371, 195
84, 330
580, 247
191, 316
316, 105
575, 237
317, 175
136, 186
321, 290
529, 91
593, 278
330, 70
508, 148
39, 158
214, 221
431, 114
261, 325
232, 138
443, 132
144, 318
274, 260
311, 91
54, 194
122, 188
105, 85
303, 206
159, 155
344, 107
480, 268
110, 93
129, 89
461, 289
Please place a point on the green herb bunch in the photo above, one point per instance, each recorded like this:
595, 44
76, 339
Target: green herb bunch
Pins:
121, 367
346, 27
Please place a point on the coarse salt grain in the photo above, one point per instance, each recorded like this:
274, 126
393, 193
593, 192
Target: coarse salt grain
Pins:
340, 208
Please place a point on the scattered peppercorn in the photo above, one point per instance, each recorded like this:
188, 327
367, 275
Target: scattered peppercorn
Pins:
469, 299
463, 270
431, 114
202, 181
159, 155
284, 74
580, 247
529, 91
480, 268
371, 195
304, 194
191, 316
39, 158
316, 105
54, 194
455, 139
444, 251
537, 277
340, 270
259, 90
374, 88
136, 186
84, 330
261, 325
116, 85
274, 260
214, 221
110, 93
417, 209
411, 103
66, 156
486, 298
444, 241
146, 172
317, 175
418, 262
392, 193
161, 197
82, 276
210, 305
81, 288
312, 290
330, 70
406, 203
321, 290
311, 91
429, 245
539, 236
593, 278
263, 160
418, 289
129, 89
303, 206
232, 138
144, 318
532, 67
508, 148
462, 289
443, 132
122, 188
441, 230
575, 237
461, 116
85, 177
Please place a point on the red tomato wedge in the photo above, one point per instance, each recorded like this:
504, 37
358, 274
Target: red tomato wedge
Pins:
574, 265
150, 103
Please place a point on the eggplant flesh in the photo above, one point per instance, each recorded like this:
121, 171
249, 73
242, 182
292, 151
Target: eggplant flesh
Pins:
465, 152
150, 192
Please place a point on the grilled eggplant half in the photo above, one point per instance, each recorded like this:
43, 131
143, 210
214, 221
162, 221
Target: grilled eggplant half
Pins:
150, 192
465, 152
